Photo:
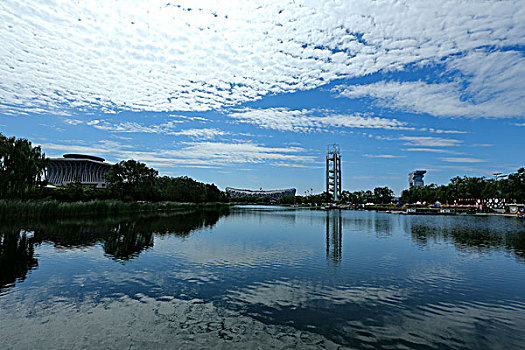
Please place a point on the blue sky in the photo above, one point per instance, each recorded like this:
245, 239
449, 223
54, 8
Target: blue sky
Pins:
249, 94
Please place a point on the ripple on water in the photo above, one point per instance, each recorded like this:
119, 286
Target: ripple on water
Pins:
242, 289
143, 322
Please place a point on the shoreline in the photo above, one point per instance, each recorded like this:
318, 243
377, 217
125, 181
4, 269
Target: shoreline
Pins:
20, 209
38, 208
392, 210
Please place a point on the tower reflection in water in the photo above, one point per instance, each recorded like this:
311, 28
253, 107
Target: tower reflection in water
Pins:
334, 236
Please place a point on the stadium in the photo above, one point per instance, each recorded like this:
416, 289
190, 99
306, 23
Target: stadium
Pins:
272, 194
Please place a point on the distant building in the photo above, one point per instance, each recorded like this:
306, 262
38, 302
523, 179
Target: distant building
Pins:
415, 178
86, 169
272, 194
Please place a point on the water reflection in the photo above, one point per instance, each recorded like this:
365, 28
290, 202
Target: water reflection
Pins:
266, 278
124, 242
383, 225
480, 235
267, 214
334, 236
122, 238
16, 256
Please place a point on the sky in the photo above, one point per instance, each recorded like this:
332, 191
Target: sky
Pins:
249, 94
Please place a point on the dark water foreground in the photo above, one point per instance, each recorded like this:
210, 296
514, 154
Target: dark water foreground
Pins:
264, 278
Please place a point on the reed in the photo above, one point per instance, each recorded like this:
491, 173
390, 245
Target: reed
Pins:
32, 209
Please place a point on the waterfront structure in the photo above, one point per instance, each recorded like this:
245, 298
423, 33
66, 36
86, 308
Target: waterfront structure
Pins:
415, 178
333, 172
83, 168
494, 203
272, 194
515, 208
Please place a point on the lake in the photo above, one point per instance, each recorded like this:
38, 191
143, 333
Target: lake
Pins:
264, 277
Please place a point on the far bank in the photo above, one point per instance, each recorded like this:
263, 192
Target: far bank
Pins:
35, 209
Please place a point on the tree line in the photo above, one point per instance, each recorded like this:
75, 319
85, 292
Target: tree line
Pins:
22, 169
511, 189
380, 195
132, 180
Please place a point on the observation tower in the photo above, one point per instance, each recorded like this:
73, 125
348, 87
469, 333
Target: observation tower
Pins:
333, 172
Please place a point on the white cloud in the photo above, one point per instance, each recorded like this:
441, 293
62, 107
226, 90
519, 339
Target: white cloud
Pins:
157, 56
103, 147
132, 127
372, 177
441, 131
466, 169
433, 150
295, 165
304, 121
205, 133
429, 141
463, 160
223, 153
192, 154
73, 121
168, 128
494, 88
382, 156
183, 118
26, 109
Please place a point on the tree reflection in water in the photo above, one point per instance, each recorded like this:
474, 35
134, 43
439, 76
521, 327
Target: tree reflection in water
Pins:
124, 242
16, 257
482, 235
122, 238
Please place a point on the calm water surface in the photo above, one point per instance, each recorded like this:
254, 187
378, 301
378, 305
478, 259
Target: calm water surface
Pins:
264, 277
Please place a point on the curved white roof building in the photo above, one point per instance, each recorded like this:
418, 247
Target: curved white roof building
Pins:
88, 170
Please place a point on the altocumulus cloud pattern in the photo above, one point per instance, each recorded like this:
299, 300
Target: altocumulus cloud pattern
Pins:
228, 91
203, 55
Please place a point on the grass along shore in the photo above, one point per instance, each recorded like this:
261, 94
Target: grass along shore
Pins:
32, 209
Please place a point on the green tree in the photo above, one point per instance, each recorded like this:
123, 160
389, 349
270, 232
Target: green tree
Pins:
364, 197
513, 188
185, 189
21, 166
383, 195
316, 198
346, 197
287, 200
181, 189
213, 194
132, 180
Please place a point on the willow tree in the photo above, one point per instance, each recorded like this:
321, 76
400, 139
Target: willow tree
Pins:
21, 166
